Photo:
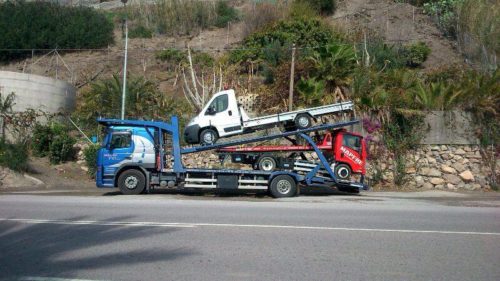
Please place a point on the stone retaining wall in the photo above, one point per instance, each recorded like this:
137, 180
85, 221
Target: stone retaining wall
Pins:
448, 167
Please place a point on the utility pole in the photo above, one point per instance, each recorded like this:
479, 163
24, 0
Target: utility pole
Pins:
292, 74
124, 86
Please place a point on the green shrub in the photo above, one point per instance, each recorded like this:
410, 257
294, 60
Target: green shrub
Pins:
416, 54
13, 156
52, 140
61, 148
47, 25
303, 32
140, 31
42, 136
446, 14
225, 14
174, 56
383, 56
90, 156
325, 7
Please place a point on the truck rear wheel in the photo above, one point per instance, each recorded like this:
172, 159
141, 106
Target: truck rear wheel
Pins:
267, 163
303, 121
131, 182
208, 137
343, 171
283, 186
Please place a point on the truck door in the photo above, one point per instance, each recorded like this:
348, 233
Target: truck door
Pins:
350, 152
224, 115
118, 150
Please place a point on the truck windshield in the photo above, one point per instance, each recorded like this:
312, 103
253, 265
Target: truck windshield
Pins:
121, 140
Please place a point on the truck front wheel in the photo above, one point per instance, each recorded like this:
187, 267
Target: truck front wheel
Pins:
208, 137
343, 171
283, 186
132, 182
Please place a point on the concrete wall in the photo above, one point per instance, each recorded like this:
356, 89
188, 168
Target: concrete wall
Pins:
449, 127
38, 92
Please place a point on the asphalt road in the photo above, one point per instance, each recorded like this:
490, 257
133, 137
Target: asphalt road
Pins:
167, 237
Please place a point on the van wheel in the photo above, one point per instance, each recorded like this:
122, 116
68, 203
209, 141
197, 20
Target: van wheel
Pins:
343, 171
303, 121
132, 182
283, 186
267, 163
208, 137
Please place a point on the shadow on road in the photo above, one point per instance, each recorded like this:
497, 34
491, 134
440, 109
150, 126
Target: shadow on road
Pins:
244, 194
60, 250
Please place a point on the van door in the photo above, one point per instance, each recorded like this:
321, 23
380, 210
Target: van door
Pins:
223, 115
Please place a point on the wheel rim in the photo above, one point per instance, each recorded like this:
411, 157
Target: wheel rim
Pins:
284, 186
343, 172
208, 137
267, 165
303, 121
131, 182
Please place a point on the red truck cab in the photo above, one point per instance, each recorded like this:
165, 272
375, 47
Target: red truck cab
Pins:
350, 149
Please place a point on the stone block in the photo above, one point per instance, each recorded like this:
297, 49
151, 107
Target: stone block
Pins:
467, 176
448, 170
428, 185
453, 179
437, 181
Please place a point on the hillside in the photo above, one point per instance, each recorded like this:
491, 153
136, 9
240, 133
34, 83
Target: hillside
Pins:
393, 21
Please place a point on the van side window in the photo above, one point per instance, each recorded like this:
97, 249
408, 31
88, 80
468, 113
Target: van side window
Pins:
121, 140
353, 142
219, 104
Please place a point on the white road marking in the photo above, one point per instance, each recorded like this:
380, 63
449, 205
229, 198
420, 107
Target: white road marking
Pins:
35, 278
190, 225
108, 223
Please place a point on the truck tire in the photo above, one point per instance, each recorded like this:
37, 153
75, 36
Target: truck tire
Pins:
303, 121
343, 171
267, 163
132, 182
208, 137
283, 186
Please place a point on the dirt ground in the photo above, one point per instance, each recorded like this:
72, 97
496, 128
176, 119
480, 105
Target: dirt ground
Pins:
398, 23
42, 175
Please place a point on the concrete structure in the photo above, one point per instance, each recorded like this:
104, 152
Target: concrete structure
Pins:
38, 92
449, 127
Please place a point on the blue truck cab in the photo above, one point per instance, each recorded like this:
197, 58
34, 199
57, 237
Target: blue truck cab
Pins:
125, 147
138, 156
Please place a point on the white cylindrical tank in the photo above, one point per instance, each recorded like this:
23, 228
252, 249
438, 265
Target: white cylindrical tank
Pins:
38, 92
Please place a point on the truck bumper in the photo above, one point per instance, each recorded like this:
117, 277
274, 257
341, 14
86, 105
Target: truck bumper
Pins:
191, 134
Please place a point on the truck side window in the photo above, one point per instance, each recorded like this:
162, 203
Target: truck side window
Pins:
121, 140
353, 142
219, 104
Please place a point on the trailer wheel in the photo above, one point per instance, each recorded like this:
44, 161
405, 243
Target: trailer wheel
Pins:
267, 163
343, 171
208, 137
132, 182
303, 121
283, 186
